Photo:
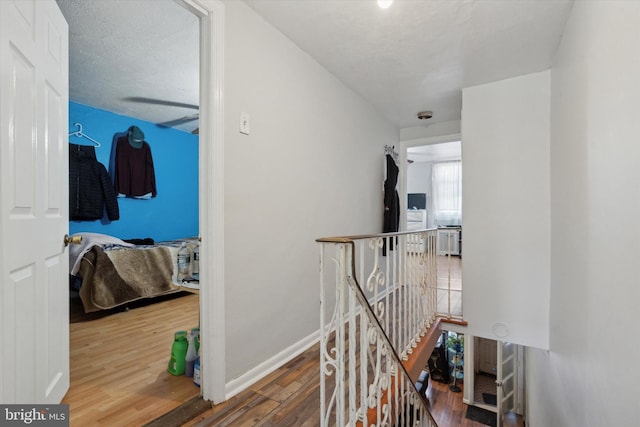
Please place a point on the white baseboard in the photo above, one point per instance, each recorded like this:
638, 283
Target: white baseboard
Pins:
254, 375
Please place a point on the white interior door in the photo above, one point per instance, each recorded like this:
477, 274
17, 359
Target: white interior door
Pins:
507, 378
34, 295
487, 356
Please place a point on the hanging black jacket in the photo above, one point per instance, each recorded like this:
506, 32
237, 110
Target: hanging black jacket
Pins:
391, 218
90, 187
132, 169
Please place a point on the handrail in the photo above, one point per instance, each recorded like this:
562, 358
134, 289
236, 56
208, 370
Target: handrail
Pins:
373, 362
348, 239
446, 311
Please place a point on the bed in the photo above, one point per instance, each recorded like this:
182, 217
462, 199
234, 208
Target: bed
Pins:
113, 272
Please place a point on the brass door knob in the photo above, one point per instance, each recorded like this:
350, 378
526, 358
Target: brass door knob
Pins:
76, 240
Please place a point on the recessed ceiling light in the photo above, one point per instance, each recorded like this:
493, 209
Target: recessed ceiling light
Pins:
384, 4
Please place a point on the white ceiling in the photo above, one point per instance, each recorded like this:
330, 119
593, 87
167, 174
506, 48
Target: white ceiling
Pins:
414, 56
445, 151
418, 54
123, 49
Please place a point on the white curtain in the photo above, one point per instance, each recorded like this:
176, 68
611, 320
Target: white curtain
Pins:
446, 179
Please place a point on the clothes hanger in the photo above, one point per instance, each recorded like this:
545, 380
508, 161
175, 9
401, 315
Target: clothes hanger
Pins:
391, 151
78, 132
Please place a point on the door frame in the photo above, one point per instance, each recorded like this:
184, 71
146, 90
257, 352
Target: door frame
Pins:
471, 353
211, 195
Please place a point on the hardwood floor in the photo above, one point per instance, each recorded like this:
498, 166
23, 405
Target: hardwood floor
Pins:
447, 407
289, 397
119, 377
119, 362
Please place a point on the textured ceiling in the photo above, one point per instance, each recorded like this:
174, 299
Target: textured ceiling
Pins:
141, 49
417, 55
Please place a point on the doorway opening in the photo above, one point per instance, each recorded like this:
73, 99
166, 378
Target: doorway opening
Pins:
485, 361
431, 188
496, 375
433, 185
150, 373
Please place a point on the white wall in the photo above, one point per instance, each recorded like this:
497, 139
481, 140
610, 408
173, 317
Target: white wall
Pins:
419, 181
590, 376
506, 197
430, 130
419, 178
311, 167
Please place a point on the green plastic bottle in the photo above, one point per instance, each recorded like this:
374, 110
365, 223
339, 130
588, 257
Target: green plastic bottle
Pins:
178, 353
196, 333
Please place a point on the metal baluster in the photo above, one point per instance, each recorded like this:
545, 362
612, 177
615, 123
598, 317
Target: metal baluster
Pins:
364, 364
363, 345
352, 353
340, 337
323, 341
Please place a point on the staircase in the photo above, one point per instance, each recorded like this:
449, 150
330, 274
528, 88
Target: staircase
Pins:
379, 325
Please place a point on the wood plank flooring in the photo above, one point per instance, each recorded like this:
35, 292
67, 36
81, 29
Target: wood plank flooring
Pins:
447, 407
119, 377
118, 361
289, 397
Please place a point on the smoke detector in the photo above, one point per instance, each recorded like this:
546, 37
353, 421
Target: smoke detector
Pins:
424, 115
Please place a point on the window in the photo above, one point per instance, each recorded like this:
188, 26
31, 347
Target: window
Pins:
446, 179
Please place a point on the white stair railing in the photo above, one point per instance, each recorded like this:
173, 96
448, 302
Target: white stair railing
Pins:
368, 329
449, 293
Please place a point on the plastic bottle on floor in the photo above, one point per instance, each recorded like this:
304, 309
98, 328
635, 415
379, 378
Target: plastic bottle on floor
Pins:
196, 338
191, 356
196, 372
178, 353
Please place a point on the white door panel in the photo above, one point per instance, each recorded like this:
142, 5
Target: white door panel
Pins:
487, 356
33, 202
507, 378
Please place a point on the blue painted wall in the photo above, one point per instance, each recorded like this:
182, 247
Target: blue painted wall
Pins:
173, 213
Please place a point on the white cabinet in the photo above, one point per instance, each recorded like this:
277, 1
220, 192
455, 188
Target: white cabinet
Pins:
416, 219
450, 241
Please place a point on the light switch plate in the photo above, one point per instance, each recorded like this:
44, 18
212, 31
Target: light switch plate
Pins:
244, 123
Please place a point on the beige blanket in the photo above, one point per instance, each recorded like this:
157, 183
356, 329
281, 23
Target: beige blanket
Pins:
114, 277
